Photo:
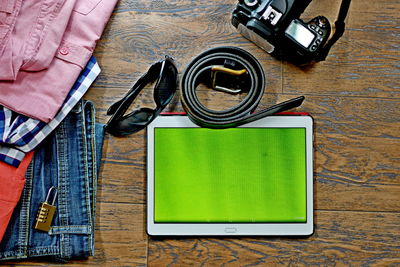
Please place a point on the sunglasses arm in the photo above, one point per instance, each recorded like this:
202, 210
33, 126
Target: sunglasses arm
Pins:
133, 92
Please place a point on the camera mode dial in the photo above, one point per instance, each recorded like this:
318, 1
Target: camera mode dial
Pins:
322, 28
251, 3
321, 22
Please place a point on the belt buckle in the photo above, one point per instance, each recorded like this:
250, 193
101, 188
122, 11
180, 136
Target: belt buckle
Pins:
216, 69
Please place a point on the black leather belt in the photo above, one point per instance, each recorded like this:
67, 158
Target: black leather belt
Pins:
231, 70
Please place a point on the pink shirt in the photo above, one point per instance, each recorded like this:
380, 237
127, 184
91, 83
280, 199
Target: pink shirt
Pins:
31, 34
44, 45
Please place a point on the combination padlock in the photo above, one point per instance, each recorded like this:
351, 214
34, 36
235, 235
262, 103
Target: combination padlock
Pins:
46, 212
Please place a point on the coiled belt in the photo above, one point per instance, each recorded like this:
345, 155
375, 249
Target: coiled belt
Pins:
231, 70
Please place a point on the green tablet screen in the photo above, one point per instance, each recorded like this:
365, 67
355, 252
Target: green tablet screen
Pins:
238, 175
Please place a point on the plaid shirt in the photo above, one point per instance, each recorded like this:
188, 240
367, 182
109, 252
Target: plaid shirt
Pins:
20, 134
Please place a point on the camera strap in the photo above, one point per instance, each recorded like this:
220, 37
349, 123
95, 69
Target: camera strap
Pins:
231, 70
339, 29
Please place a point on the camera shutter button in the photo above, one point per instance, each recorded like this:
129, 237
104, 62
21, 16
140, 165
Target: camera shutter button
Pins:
251, 2
322, 22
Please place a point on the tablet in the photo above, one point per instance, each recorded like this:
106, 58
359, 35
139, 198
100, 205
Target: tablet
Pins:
256, 179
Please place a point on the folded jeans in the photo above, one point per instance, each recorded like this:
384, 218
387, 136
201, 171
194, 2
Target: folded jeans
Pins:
69, 159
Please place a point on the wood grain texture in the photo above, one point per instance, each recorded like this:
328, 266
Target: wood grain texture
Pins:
370, 47
120, 237
340, 239
353, 97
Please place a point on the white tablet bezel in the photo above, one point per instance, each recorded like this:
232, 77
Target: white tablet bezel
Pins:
231, 229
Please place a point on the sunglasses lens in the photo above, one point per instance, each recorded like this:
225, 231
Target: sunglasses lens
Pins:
133, 122
121, 124
167, 85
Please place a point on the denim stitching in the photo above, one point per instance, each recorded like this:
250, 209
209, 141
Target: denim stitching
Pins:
62, 188
25, 212
86, 186
89, 142
79, 229
41, 251
85, 169
94, 177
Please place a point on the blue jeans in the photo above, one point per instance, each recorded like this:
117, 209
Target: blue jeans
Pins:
68, 159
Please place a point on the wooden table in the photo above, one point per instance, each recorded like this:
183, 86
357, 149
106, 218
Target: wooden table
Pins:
353, 96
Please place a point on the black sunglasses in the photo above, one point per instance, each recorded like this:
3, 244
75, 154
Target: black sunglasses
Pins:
165, 74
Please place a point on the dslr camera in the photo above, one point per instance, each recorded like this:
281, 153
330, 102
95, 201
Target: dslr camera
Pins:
276, 27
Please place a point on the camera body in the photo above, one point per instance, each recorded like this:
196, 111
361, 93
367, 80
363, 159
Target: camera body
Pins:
275, 26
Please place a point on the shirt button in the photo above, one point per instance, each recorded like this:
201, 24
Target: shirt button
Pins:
64, 51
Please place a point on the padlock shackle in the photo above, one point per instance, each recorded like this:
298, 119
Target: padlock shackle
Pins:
49, 194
